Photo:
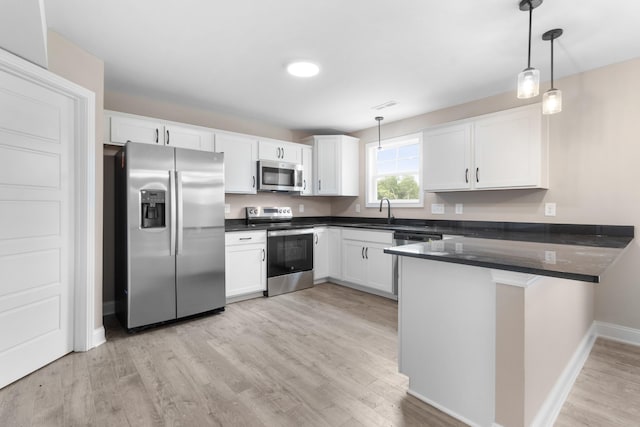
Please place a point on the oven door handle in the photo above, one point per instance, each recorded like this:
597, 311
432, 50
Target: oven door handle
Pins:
294, 232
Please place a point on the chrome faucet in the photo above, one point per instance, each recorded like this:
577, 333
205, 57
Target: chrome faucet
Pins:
389, 217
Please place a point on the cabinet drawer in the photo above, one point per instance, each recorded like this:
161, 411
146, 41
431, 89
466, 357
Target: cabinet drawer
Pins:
245, 237
368, 235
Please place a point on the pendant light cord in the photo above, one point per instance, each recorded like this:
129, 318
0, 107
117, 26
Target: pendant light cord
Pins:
552, 62
379, 119
530, 22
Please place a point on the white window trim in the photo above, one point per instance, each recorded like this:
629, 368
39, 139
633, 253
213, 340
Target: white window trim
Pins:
368, 165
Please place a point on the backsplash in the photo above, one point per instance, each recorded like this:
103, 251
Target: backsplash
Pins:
312, 206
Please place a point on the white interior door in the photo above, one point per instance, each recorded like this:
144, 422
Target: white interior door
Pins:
36, 226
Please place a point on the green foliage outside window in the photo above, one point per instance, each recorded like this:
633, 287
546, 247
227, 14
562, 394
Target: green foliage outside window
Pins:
398, 188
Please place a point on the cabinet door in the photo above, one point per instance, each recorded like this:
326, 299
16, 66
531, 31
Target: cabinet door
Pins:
335, 253
353, 261
379, 267
507, 149
240, 155
124, 129
326, 152
320, 254
447, 158
245, 269
307, 171
279, 151
186, 137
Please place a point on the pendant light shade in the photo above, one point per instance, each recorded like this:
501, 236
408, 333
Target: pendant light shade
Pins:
552, 99
379, 119
529, 78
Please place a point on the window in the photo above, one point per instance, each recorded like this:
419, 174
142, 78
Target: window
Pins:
395, 171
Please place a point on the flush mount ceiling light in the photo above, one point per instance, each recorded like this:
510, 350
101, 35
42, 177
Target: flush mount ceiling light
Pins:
529, 78
552, 99
303, 69
379, 119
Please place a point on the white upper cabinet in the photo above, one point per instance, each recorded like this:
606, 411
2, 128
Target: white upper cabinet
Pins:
307, 171
503, 150
282, 151
121, 128
335, 165
240, 156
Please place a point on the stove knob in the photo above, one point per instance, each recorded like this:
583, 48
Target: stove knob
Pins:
288, 210
279, 210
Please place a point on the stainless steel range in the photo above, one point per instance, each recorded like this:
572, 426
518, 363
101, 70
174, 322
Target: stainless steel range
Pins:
289, 250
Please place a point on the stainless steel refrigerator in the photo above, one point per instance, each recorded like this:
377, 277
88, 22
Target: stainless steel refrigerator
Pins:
169, 233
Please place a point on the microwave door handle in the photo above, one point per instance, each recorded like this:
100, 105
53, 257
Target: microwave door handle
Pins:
180, 219
172, 207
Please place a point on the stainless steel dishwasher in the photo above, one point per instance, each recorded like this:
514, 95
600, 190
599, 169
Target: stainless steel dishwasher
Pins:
401, 238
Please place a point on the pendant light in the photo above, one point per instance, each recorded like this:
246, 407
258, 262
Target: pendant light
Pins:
529, 78
379, 119
552, 99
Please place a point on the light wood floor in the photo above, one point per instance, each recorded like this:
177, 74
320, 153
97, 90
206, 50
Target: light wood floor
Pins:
325, 356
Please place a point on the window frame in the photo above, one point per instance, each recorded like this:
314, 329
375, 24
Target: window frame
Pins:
370, 185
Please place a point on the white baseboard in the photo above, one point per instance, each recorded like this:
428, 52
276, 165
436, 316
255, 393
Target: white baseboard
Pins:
99, 337
618, 333
552, 405
442, 408
108, 307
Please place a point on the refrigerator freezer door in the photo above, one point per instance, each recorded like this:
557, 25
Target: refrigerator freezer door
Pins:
151, 291
200, 285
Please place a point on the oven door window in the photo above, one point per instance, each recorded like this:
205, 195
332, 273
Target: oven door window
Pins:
277, 176
289, 254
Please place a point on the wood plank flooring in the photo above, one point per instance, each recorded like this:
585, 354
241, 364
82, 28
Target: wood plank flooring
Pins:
324, 356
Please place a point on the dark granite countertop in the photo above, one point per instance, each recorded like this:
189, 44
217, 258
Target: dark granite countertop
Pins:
571, 251
575, 262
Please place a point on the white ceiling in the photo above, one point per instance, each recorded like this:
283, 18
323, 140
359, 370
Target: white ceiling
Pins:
229, 56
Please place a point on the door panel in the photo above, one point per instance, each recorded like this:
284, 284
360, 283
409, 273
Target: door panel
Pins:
200, 282
151, 275
36, 226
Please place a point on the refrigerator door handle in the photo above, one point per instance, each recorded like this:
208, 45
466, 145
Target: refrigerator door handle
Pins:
180, 222
172, 225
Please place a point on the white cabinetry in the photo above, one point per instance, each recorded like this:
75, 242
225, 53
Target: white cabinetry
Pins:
122, 128
240, 156
336, 165
271, 149
245, 262
307, 171
335, 252
364, 261
320, 253
502, 150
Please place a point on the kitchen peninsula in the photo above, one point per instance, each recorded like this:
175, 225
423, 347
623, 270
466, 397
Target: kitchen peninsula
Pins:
494, 330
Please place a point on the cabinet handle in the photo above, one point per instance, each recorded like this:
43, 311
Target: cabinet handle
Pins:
316, 238
264, 255
157, 135
477, 175
245, 238
304, 184
254, 182
282, 151
167, 136
366, 253
319, 184
362, 254
466, 175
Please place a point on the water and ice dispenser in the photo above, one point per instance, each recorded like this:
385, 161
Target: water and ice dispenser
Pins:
152, 204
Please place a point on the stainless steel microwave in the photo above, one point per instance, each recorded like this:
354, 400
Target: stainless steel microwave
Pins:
279, 176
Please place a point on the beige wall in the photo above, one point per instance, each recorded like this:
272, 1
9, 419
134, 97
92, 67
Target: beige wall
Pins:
594, 173
69, 61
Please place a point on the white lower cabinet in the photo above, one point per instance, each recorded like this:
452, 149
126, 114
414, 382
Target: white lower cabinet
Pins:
320, 253
364, 262
245, 262
335, 252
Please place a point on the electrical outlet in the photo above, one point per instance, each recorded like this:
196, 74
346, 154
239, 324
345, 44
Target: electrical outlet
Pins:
357, 207
459, 208
227, 208
437, 208
550, 257
550, 209
459, 248
300, 208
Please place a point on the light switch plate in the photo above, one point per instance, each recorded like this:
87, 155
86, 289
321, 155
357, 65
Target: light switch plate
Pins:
227, 208
550, 257
459, 208
357, 207
437, 208
550, 209
300, 208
